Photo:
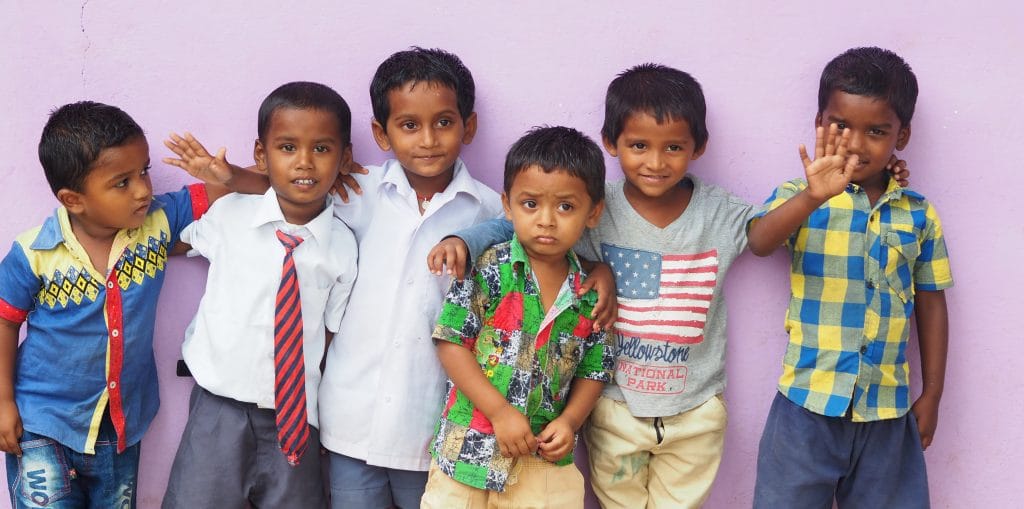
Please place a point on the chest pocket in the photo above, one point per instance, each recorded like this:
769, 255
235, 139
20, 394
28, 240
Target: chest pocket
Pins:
903, 250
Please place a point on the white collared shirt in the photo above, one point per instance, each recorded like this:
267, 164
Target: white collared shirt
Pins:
229, 346
383, 387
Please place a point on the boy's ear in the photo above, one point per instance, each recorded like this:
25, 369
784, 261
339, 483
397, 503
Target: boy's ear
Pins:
470, 131
259, 154
903, 137
380, 136
609, 146
505, 205
595, 214
71, 200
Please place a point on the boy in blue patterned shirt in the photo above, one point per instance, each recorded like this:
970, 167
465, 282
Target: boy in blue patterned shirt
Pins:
867, 255
77, 395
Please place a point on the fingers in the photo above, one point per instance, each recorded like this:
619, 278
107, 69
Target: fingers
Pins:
844, 142
803, 156
196, 148
830, 142
9, 441
339, 187
435, 260
819, 142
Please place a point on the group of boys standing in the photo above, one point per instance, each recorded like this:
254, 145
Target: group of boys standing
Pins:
597, 308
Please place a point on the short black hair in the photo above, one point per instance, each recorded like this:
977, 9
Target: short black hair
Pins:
417, 65
306, 95
871, 72
558, 148
657, 90
74, 136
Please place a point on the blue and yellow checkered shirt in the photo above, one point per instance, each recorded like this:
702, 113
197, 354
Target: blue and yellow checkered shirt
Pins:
853, 277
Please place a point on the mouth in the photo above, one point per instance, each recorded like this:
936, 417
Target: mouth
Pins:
429, 158
304, 182
142, 209
545, 240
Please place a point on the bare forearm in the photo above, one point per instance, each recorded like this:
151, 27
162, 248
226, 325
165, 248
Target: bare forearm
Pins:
582, 397
8, 357
463, 369
770, 231
933, 338
247, 181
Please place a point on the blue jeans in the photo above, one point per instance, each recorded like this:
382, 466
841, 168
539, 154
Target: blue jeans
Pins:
51, 475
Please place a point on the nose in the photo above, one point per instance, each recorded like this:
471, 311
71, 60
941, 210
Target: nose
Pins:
545, 217
429, 137
655, 160
142, 188
305, 159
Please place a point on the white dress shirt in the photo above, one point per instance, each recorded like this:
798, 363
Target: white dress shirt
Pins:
229, 346
383, 387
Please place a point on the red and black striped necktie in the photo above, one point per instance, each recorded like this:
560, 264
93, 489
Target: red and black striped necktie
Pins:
289, 365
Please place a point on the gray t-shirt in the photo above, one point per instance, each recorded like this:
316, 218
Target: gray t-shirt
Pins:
670, 334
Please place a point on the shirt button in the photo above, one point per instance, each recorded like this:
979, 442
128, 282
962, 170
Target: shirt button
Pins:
113, 385
115, 333
864, 349
110, 284
408, 282
387, 399
871, 284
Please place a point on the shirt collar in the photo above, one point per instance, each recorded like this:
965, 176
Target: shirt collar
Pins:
462, 182
893, 191
57, 227
269, 211
521, 263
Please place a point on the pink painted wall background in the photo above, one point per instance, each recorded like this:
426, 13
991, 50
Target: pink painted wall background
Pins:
174, 66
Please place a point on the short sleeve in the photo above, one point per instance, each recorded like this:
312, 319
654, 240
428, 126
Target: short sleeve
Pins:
781, 195
481, 236
587, 247
18, 285
461, 313
204, 232
597, 361
182, 207
932, 271
337, 300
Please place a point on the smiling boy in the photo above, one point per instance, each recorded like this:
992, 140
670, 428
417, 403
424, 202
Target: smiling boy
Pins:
281, 268
866, 256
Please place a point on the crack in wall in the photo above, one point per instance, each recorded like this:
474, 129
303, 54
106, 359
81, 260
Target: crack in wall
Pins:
88, 42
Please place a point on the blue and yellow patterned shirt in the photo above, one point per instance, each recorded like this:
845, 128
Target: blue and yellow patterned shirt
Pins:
530, 356
855, 270
89, 338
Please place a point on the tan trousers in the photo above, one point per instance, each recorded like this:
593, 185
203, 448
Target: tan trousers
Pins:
665, 462
532, 484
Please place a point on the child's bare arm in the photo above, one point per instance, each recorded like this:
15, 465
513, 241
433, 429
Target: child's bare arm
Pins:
557, 438
220, 176
451, 252
933, 337
601, 279
827, 175
515, 438
10, 418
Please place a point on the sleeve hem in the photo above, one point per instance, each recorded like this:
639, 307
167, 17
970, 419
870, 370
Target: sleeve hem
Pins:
200, 200
12, 313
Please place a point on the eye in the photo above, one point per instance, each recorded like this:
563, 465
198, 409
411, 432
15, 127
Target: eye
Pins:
565, 207
288, 147
876, 132
321, 149
145, 171
444, 122
840, 126
529, 204
121, 184
408, 126
673, 148
639, 146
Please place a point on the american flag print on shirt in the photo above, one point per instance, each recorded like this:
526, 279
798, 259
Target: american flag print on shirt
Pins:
663, 297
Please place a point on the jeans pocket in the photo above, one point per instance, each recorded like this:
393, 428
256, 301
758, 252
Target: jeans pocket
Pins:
43, 473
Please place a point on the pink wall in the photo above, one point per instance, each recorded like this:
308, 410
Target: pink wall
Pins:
206, 70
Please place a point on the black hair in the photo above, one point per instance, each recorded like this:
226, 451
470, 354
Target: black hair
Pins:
305, 95
558, 149
74, 136
657, 90
871, 72
417, 65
